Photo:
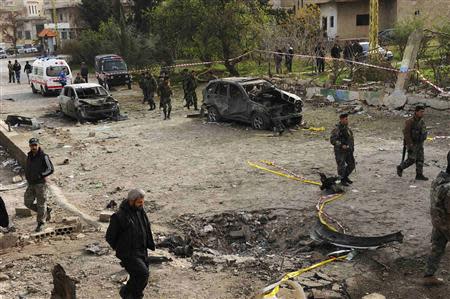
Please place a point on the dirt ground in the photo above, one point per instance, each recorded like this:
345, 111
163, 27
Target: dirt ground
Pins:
195, 172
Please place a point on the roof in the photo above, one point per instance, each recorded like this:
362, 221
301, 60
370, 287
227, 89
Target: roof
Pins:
47, 33
84, 85
239, 79
107, 56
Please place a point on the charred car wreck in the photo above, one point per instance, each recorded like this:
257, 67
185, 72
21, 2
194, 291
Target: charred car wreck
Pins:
88, 101
252, 100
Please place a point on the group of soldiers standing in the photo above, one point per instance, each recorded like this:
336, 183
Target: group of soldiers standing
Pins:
162, 88
414, 136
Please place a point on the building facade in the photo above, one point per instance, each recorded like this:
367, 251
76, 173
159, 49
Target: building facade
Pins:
349, 19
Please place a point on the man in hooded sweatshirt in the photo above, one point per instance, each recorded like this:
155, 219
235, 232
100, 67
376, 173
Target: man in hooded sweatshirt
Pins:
130, 235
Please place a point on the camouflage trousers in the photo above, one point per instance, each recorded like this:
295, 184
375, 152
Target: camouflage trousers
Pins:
37, 193
439, 239
166, 104
191, 99
415, 156
345, 162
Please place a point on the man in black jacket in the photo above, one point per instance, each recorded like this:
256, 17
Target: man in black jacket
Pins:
38, 168
130, 235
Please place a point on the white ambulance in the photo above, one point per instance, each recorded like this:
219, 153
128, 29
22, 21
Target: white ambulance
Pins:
44, 77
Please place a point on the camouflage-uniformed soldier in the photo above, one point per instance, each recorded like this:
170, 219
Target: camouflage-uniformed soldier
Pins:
143, 85
151, 87
191, 86
185, 80
165, 92
440, 218
415, 133
343, 142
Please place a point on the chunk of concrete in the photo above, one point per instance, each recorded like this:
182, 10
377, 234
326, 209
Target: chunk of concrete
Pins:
105, 216
71, 220
8, 240
374, 296
326, 294
17, 179
395, 100
23, 212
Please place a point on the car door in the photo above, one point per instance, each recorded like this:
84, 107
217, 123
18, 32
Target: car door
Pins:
237, 103
63, 100
221, 98
71, 102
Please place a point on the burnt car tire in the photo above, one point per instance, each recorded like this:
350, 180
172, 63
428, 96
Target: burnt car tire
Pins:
260, 121
33, 89
213, 115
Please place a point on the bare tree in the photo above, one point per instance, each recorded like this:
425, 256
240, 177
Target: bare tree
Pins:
9, 26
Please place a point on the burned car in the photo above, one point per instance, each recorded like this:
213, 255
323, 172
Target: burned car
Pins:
251, 100
88, 101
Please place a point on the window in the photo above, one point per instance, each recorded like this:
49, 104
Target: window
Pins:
63, 35
212, 87
222, 89
19, 34
54, 71
235, 92
332, 22
60, 17
27, 35
362, 20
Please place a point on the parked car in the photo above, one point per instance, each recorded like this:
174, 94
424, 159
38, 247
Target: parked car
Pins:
251, 100
88, 101
3, 54
386, 54
28, 48
111, 70
386, 37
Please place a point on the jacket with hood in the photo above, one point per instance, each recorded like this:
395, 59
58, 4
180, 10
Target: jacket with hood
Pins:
129, 232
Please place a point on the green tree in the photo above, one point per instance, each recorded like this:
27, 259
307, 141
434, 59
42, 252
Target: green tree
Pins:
94, 12
140, 8
402, 31
207, 29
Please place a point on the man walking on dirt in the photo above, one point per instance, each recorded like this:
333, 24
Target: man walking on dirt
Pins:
17, 68
37, 169
165, 92
130, 235
12, 78
440, 218
27, 69
151, 87
191, 86
278, 57
343, 142
414, 134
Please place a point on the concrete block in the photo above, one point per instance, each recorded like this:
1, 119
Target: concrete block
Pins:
23, 212
71, 220
326, 294
105, 216
8, 240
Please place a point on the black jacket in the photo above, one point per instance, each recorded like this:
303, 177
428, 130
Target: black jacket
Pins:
4, 219
84, 70
123, 232
38, 167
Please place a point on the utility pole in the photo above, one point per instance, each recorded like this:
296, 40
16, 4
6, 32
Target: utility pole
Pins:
55, 21
373, 25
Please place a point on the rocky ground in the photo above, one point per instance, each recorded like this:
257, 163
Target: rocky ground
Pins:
246, 227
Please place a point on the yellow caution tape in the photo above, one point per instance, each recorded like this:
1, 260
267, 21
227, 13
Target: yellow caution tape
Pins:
283, 174
430, 138
313, 129
321, 208
276, 286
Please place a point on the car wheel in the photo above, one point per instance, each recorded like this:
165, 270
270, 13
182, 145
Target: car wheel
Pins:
213, 115
43, 92
33, 89
259, 121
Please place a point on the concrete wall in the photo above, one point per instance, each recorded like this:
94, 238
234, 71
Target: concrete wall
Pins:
433, 10
347, 13
328, 11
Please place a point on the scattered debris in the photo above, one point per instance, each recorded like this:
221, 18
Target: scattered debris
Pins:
17, 179
374, 296
105, 216
96, 249
16, 120
112, 205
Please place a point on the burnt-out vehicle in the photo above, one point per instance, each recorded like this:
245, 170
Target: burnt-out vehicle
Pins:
88, 101
251, 100
111, 70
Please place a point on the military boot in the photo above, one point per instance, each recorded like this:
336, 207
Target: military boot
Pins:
399, 170
39, 227
421, 177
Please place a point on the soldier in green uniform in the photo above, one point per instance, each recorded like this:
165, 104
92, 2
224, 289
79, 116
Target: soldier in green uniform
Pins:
440, 218
184, 82
343, 142
191, 86
415, 133
143, 85
150, 86
165, 92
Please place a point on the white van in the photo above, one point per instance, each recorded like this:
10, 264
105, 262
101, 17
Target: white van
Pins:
44, 77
